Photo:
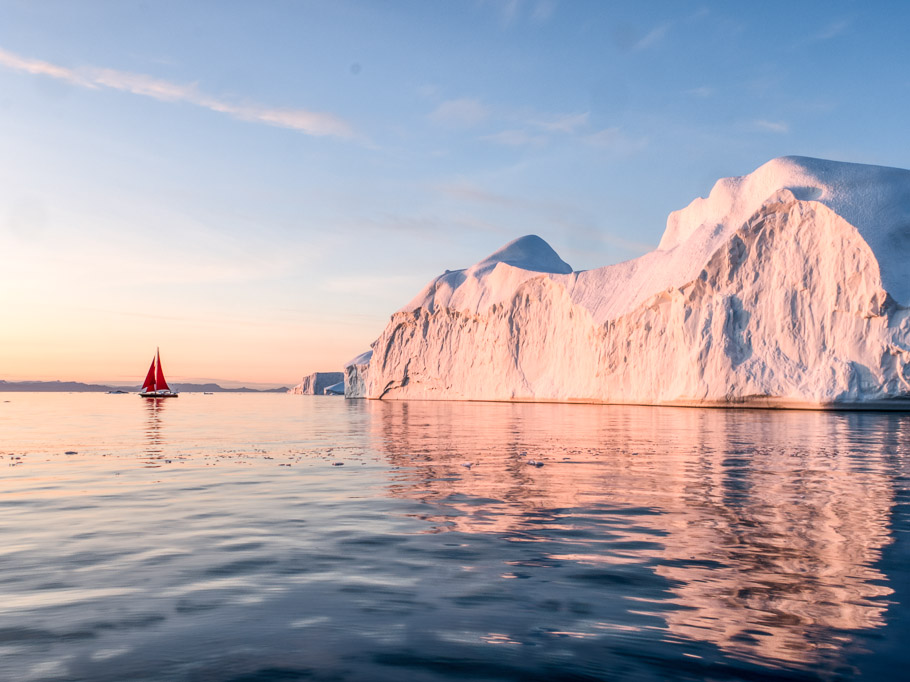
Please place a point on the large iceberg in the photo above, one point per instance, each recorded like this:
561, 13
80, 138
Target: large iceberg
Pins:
786, 287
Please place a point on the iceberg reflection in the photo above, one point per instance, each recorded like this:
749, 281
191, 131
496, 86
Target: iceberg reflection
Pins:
766, 526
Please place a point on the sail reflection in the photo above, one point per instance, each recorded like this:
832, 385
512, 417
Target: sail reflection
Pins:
154, 433
765, 526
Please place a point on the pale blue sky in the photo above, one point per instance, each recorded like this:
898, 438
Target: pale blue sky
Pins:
257, 186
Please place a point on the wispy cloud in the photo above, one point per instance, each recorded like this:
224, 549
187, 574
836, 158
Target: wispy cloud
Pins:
460, 113
466, 191
543, 10
652, 38
832, 30
614, 139
771, 126
429, 226
516, 138
377, 285
511, 11
562, 123
569, 219
314, 123
526, 129
536, 129
702, 91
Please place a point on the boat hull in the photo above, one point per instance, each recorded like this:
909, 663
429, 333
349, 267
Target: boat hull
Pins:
158, 395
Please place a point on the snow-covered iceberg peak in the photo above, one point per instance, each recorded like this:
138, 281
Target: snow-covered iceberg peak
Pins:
873, 199
493, 279
528, 253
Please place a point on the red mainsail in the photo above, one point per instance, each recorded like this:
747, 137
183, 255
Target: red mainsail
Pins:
160, 383
149, 384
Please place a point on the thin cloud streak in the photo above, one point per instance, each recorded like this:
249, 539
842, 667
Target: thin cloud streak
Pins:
466, 191
512, 11
653, 37
772, 126
702, 91
614, 139
317, 124
515, 138
371, 285
543, 11
832, 30
568, 218
465, 112
564, 123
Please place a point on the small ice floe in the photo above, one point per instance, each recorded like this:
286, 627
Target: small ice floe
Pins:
467, 465
70, 452
337, 464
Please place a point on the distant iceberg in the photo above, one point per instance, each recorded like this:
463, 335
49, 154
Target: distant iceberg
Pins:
334, 389
785, 287
316, 383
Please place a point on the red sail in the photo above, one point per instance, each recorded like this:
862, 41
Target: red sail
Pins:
149, 383
159, 377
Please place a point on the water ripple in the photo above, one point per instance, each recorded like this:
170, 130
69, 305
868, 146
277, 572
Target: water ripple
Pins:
652, 544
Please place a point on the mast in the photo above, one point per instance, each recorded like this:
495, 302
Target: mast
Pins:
160, 383
149, 383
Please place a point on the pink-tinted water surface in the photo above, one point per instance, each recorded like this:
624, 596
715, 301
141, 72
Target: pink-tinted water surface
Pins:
277, 537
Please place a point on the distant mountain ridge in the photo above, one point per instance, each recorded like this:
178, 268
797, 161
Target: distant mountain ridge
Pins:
79, 387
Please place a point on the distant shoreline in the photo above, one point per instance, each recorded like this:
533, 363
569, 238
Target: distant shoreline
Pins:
80, 387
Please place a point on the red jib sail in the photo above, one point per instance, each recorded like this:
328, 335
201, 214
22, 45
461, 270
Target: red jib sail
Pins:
149, 384
159, 376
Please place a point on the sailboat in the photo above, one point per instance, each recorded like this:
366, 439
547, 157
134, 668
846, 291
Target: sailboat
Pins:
155, 385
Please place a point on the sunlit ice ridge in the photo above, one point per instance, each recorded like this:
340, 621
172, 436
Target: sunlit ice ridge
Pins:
786, 287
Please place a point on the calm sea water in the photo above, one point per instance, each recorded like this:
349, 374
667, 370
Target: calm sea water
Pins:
274, 537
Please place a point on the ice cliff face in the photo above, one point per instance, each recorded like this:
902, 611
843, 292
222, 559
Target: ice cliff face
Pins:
787, 286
